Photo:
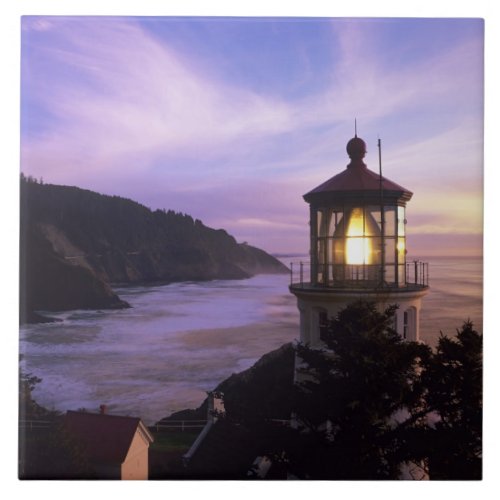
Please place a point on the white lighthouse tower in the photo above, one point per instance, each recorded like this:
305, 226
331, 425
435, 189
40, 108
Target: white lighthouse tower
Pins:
358, 251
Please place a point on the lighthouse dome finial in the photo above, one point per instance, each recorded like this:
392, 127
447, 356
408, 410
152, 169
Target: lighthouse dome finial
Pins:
356, 148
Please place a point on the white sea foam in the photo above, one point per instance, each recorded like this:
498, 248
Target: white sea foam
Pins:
174, 344
165, 352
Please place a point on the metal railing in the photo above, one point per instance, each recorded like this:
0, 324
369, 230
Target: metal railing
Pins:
183, 425
35, 424
411, 274
417, 273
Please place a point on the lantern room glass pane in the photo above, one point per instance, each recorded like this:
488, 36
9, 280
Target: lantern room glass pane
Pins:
319, 220
321, 271
348, 244
374, 213
390, 250
338, 250
401, 221
401, 247
332, 223
390, 221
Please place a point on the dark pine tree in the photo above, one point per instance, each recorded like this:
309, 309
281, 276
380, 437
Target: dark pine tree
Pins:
361, 401
369, 404
455, 400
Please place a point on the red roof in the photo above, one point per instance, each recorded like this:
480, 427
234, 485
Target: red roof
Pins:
357, 180
357, 177
106, 438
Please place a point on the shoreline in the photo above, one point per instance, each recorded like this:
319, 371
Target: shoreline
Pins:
175, 387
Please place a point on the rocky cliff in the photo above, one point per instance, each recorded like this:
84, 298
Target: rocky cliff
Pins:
76, 243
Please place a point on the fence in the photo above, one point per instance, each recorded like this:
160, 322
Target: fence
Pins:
164, 426
182, 425
35, 424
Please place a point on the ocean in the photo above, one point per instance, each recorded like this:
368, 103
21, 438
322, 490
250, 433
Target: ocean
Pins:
180, 340
455, 296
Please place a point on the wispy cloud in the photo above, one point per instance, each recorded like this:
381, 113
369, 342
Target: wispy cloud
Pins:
365, 86
113, 107
117, 92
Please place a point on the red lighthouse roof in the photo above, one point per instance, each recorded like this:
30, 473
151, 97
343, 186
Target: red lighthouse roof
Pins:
357, 180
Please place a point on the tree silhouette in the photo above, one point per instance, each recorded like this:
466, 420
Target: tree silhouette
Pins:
454, 398
361, 396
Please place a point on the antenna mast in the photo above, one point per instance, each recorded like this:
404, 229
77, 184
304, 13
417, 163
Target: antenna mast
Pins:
382, 217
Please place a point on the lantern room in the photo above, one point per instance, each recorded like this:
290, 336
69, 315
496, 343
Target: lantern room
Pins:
358, 250
357, 221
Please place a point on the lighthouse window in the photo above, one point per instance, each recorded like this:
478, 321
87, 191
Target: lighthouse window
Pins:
323, 324
410, 324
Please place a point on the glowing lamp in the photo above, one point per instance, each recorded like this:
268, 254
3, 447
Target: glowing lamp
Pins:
359, 240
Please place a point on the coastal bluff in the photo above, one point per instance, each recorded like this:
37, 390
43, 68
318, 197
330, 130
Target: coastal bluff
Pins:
75, 244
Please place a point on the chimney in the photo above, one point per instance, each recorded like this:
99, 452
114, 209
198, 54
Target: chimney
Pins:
103, 409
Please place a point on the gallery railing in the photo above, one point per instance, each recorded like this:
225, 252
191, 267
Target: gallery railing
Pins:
414, 274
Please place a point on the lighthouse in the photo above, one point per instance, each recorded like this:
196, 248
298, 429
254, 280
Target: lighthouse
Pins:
358, 251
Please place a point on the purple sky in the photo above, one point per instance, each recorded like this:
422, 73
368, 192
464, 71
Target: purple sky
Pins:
232, 121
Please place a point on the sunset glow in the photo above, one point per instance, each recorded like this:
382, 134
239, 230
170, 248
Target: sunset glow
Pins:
233, 120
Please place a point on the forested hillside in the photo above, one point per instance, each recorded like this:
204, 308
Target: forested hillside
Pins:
75, 243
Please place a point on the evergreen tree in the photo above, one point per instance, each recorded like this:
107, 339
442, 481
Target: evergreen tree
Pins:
362, 401
370, 405
454, 400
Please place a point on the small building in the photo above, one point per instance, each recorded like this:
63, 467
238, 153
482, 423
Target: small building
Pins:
117, 447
